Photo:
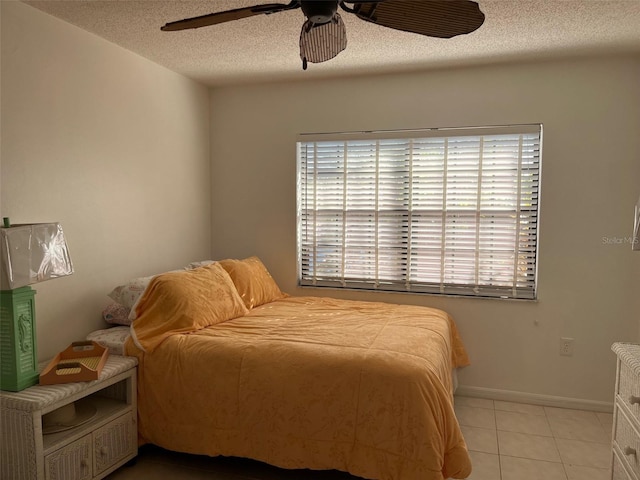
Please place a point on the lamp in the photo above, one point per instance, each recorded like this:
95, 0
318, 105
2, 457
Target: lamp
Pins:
29, 254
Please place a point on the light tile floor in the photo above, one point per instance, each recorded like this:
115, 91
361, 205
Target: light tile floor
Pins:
507, 441
515, 441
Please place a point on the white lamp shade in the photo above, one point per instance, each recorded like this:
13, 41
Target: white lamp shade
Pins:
33, 253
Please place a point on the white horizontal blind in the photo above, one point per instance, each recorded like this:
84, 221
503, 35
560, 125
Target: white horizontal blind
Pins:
452, 212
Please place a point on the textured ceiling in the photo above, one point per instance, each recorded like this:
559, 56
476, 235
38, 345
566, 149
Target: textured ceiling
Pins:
265, 47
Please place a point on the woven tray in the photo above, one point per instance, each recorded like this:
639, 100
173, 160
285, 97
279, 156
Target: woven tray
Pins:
79, 362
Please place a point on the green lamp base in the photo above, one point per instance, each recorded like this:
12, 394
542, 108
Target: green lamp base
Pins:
18, 358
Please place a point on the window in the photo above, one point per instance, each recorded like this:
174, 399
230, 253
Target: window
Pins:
450, 211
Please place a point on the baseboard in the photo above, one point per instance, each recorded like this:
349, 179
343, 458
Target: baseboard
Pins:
534, 399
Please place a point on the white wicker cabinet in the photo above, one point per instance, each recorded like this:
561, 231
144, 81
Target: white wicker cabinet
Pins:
89, 451
626, 414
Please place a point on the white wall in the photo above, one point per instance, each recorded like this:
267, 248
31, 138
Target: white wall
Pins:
588, 290
111, 145
116, 148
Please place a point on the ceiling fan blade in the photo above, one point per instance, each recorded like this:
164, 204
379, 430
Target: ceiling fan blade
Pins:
229, 15
434, 18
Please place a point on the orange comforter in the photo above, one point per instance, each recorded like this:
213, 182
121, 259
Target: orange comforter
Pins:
308, 382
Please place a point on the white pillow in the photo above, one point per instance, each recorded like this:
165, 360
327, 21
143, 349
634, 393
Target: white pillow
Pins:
203, 263
128, 294
112, 339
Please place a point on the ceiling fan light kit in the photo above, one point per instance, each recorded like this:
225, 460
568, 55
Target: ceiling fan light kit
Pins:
322, 42
324, 35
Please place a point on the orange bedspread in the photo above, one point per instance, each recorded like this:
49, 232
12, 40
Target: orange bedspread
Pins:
308, 382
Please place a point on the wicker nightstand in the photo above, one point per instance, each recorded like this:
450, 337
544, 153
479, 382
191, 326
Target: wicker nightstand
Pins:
626, 415
89, 451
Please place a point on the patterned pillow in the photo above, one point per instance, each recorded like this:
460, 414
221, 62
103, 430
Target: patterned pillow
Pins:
116, 314
112, 339
127, 294
203, 263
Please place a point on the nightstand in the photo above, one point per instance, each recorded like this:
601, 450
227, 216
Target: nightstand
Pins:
626, 413
89, 451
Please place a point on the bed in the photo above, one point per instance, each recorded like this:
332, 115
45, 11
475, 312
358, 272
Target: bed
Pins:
231, 366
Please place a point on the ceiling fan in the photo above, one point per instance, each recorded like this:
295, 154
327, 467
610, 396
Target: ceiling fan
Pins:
323, 34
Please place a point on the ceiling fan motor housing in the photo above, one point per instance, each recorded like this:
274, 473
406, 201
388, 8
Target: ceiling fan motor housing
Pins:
319, 11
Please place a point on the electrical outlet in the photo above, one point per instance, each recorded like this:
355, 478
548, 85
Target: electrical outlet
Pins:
566, 346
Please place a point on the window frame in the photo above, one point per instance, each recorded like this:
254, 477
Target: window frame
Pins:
442, 288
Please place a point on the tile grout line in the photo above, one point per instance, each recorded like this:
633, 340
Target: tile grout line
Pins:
495, 420
555, 442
